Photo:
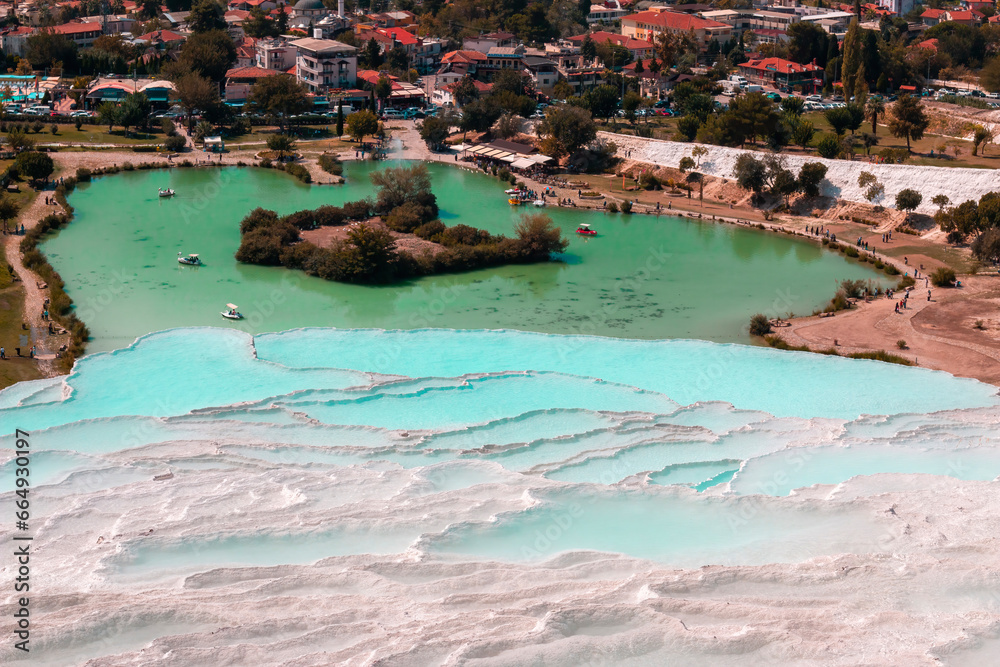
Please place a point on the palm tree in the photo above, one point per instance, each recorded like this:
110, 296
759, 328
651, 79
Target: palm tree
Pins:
874, 109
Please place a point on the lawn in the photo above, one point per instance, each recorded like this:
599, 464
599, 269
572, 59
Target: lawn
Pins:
92, 134
921, 148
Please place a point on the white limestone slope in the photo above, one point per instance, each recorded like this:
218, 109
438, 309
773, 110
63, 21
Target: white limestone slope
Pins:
841, 181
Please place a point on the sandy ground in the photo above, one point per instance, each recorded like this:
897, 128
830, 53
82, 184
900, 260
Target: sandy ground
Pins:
940, 333
327, 236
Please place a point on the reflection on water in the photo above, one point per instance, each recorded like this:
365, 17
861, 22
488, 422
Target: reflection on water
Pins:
642, 277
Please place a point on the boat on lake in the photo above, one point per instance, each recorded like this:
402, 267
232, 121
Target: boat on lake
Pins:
190, 260
585, 230
232, 313
166, 193
539, 203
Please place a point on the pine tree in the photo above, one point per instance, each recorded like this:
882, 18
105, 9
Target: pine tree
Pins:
851, 61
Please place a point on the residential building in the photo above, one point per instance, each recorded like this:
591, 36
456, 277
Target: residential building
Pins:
397, 19
504, 57
403, 94
325, 64
162, 40
82, 34
15, 38
489, 41
639, 48
781, 73
543, 72
650, 24
240, 80
274, 54
932, 16
608, 12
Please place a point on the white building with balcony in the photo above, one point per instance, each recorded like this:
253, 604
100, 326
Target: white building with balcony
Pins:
325, 64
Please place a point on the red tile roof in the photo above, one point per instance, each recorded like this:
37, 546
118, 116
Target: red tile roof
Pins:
402, 36
673, 20
932, 13
931, 44
162, 36
76, 28
251, 73
463, 57
480, 86
954, 15
601, 37
781, 66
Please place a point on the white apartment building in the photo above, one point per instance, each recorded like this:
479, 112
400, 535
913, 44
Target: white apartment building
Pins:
325, 64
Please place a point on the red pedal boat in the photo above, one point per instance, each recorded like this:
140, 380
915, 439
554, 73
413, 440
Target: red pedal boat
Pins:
585, 230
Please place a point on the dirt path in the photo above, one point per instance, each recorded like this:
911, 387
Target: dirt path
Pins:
939, 334
35, 291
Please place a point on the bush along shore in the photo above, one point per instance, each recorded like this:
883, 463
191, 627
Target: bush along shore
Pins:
60, 305
368, 254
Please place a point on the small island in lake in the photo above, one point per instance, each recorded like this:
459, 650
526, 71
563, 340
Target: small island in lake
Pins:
395, 237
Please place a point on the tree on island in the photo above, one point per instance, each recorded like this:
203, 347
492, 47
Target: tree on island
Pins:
539, 237
361, 124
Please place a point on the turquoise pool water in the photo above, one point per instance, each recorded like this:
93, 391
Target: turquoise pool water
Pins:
642, 277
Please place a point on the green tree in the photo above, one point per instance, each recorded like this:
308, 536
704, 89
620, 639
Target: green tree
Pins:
989, 76
108, 114
282, 144
811, 174
464, 92
8, 211
791, 105
753, 115
874, 109
434, 131
134, 111
370, 254
602, 100
340, 118
206, 15
562, 89
361, 124
383, 89
588, 49
370, 55
851, 60
538, 236
35, 166
908, 120
398, 59
908, 200
839, 118
279, 96
195, 92
210, 53
572, 127
802, 133
45, 47
828, 146
18, 140
856, 116
630, 103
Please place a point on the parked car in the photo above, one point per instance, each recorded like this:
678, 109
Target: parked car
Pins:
774, 97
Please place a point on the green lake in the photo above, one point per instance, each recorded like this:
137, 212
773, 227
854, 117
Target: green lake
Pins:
641, 277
